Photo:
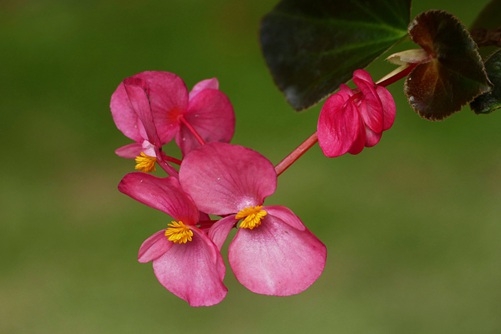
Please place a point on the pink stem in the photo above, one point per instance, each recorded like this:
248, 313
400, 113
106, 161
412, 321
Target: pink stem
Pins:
296, 154
171, 159
162, 162
192, 130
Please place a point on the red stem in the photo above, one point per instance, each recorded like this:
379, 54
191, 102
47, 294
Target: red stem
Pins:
296, 154
192, 130
170, 159
171, 171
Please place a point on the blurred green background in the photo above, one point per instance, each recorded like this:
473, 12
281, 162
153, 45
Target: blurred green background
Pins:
412, 226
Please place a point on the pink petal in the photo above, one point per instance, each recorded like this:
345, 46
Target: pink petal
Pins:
204, 84
138, 93
276, 258
124, 115
224, 178
211, 114
154, 247
286, 215
168, 99
164, 194
193, 271
389, 108
370, 107
220, 230
338, 124
371, 137
129, 151
359, 143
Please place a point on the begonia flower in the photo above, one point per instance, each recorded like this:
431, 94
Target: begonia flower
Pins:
272, 253
185, 261
159, 102
352, 119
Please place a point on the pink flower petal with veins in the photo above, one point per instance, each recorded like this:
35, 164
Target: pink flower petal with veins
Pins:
139, 98
168, 99
164, 194
211, 114
286, 215
370, 107
154, 247
224, 178
276, 258
193, 271
212, 83
371, 137
338, 124
389, 108
125, 116
220, 230
129, 151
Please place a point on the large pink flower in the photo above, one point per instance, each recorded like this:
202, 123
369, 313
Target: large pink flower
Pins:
172, 111
353, 119
272, 253
185, 261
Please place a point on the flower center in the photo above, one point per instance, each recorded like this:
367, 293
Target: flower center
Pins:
252, 216
178, 233
145, 163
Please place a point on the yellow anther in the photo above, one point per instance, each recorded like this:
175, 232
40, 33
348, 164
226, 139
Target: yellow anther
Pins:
145, 163
252, 216
178, 233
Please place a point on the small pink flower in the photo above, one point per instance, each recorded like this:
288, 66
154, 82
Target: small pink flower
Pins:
353, 119
185, 261
165, 106
272, 253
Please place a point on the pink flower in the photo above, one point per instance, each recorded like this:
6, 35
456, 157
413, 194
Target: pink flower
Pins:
185, 261
160, 102
353, 119
272, 253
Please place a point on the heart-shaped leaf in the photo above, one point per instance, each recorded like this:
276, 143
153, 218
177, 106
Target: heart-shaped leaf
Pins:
487, 103
312, 46
454, 76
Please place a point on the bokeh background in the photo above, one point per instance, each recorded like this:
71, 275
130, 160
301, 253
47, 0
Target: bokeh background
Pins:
412, 225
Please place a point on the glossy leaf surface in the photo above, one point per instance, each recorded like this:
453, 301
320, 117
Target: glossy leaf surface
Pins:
312, 46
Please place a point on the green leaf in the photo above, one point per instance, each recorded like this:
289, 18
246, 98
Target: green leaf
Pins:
491, 101
312, 46
455, 74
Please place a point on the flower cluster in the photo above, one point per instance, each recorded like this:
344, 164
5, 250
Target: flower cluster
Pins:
217, 187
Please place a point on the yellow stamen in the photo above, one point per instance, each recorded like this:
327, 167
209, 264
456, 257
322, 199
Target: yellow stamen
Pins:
145, 163
252, 216
178, 233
